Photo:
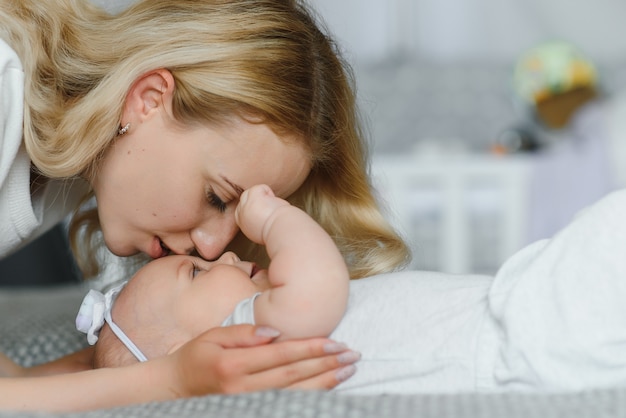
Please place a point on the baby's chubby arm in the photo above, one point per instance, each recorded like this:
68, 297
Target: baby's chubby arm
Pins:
308, 277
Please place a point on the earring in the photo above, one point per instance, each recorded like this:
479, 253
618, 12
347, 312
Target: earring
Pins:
123, 130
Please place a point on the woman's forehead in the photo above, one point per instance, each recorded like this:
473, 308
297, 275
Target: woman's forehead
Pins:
261, 156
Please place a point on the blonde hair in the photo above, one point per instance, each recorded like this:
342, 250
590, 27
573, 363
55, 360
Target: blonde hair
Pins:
266, 58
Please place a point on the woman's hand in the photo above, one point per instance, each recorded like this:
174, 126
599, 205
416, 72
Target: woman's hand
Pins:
239, 359
222, 360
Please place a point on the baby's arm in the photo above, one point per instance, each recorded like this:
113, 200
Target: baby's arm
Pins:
308, 276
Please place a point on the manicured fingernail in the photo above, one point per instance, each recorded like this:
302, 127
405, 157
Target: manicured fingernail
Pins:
349, 357
345, 373
333, 347
267, 332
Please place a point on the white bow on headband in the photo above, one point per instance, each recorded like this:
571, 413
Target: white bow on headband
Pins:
95, 310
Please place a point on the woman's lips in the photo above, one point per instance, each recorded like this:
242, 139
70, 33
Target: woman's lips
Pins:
156, 249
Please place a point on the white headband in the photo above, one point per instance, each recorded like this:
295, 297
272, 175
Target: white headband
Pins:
95, 309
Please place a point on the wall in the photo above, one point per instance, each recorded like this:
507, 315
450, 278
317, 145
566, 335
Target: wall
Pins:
458, 29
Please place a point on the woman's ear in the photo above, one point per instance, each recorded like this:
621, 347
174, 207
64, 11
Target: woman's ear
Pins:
151, 92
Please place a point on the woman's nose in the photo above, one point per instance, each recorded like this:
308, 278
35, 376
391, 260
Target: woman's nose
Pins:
210, 240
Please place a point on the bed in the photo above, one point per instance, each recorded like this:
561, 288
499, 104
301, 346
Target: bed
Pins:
37, 325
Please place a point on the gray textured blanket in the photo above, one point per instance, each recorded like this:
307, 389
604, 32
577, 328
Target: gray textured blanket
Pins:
38, 325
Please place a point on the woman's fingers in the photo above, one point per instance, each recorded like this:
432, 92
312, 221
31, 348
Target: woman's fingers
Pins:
284, 353
237, 336
314, 364
326, 380
240, 339
313, 373
238, 359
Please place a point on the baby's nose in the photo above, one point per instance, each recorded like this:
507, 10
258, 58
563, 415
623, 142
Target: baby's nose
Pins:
229, 257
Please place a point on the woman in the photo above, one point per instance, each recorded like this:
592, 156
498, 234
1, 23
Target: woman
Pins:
166, 113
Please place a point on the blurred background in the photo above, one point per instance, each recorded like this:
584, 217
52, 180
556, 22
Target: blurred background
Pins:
442, 69
493, 122
470, 162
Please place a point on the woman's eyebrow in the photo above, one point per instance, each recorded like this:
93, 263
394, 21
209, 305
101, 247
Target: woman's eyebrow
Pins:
237, 188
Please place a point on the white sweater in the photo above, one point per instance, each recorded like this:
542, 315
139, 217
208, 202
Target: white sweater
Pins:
22, 217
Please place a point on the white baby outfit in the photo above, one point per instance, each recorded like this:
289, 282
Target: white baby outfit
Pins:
553, 318
23, 218
558, 307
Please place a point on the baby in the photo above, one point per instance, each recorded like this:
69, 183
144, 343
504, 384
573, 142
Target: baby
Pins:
553, 318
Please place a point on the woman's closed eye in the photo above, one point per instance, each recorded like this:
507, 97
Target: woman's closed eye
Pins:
215, 201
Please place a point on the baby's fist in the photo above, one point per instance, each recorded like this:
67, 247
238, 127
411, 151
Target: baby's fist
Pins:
256, 205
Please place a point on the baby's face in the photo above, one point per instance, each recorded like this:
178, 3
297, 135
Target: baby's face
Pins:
188, 294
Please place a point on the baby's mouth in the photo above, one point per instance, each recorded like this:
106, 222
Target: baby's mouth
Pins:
254, 270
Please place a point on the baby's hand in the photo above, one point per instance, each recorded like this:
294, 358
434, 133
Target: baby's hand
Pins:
256, 205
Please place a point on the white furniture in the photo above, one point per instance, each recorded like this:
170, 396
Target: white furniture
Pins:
459, 213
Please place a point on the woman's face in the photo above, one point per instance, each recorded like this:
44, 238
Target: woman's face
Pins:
161, 188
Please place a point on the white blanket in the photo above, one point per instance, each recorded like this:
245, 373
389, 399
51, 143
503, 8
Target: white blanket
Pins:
559, 305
